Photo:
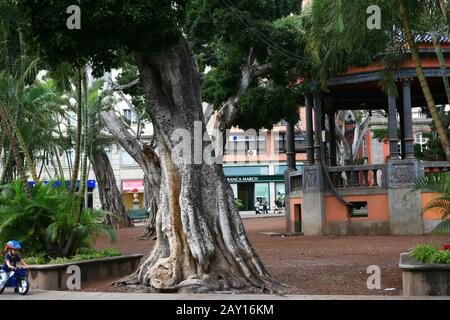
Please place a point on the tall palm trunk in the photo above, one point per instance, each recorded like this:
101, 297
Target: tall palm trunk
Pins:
6, 165
76, 163
423, 80
15, 151
23, 146
444, 10
83, 176
440, 56
83, 141
58, 161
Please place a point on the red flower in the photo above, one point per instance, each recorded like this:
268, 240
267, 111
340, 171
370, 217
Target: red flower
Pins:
446, 247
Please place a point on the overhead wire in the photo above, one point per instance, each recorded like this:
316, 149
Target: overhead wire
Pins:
263, 37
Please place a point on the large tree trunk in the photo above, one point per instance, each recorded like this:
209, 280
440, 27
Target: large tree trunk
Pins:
110, 196
151, 198
146, 158
201, 241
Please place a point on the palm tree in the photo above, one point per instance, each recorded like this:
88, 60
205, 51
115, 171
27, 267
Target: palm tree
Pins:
433, 20
15, 150
17, 70
439, 185
422, 79
337, 37
79, 111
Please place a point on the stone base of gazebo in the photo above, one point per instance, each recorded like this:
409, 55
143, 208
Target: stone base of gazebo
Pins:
382, 195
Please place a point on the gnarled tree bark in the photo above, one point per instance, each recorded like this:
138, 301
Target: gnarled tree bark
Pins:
201, 241
110, 196
146, 158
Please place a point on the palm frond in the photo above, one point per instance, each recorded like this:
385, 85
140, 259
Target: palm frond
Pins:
442, 228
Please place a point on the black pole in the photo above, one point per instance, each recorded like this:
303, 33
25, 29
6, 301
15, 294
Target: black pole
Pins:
392, 124
317, 127
309, 131
290, 146
407, 134
333, 145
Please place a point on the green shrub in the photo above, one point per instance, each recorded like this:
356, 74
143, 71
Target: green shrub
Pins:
239, 204
37, 259
45, 222
430, 254
82, 254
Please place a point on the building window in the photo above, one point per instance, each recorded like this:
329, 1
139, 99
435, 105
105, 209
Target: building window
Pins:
359, 210
280, 169
420, 140
280, 143
127, 160
68, 159
235, 171
108, 151
242, 144
127, 114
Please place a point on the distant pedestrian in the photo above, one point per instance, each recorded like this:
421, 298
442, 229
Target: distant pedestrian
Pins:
257, 207
264, 204
275, 207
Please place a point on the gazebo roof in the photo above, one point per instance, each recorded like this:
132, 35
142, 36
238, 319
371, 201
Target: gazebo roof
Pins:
359, 87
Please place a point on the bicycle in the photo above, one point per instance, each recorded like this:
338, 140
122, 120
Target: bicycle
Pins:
18, 281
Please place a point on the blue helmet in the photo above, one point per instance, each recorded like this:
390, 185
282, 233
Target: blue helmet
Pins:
13, 244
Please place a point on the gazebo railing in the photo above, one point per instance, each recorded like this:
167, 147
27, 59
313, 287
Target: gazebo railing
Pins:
435, 166
364, 176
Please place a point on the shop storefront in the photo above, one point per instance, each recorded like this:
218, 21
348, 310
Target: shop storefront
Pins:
256, 183
253, 183
133, 194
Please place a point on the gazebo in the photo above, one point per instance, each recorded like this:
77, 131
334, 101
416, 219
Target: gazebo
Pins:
327, 199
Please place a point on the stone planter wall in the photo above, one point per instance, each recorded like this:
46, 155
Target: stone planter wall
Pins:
54, 277
420, 279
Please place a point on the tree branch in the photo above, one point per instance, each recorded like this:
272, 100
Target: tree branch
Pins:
250, 71
118, 87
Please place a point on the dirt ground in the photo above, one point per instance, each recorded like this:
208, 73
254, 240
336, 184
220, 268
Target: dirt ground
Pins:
309, 265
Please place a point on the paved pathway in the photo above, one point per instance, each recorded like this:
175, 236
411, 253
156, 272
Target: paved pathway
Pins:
66, 295
253, 215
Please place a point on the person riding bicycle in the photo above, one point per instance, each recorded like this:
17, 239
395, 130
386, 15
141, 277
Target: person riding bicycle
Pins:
12, 257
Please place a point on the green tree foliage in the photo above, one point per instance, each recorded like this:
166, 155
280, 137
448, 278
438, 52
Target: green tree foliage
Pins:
261, 107
222, 34
338, 36
108, 28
